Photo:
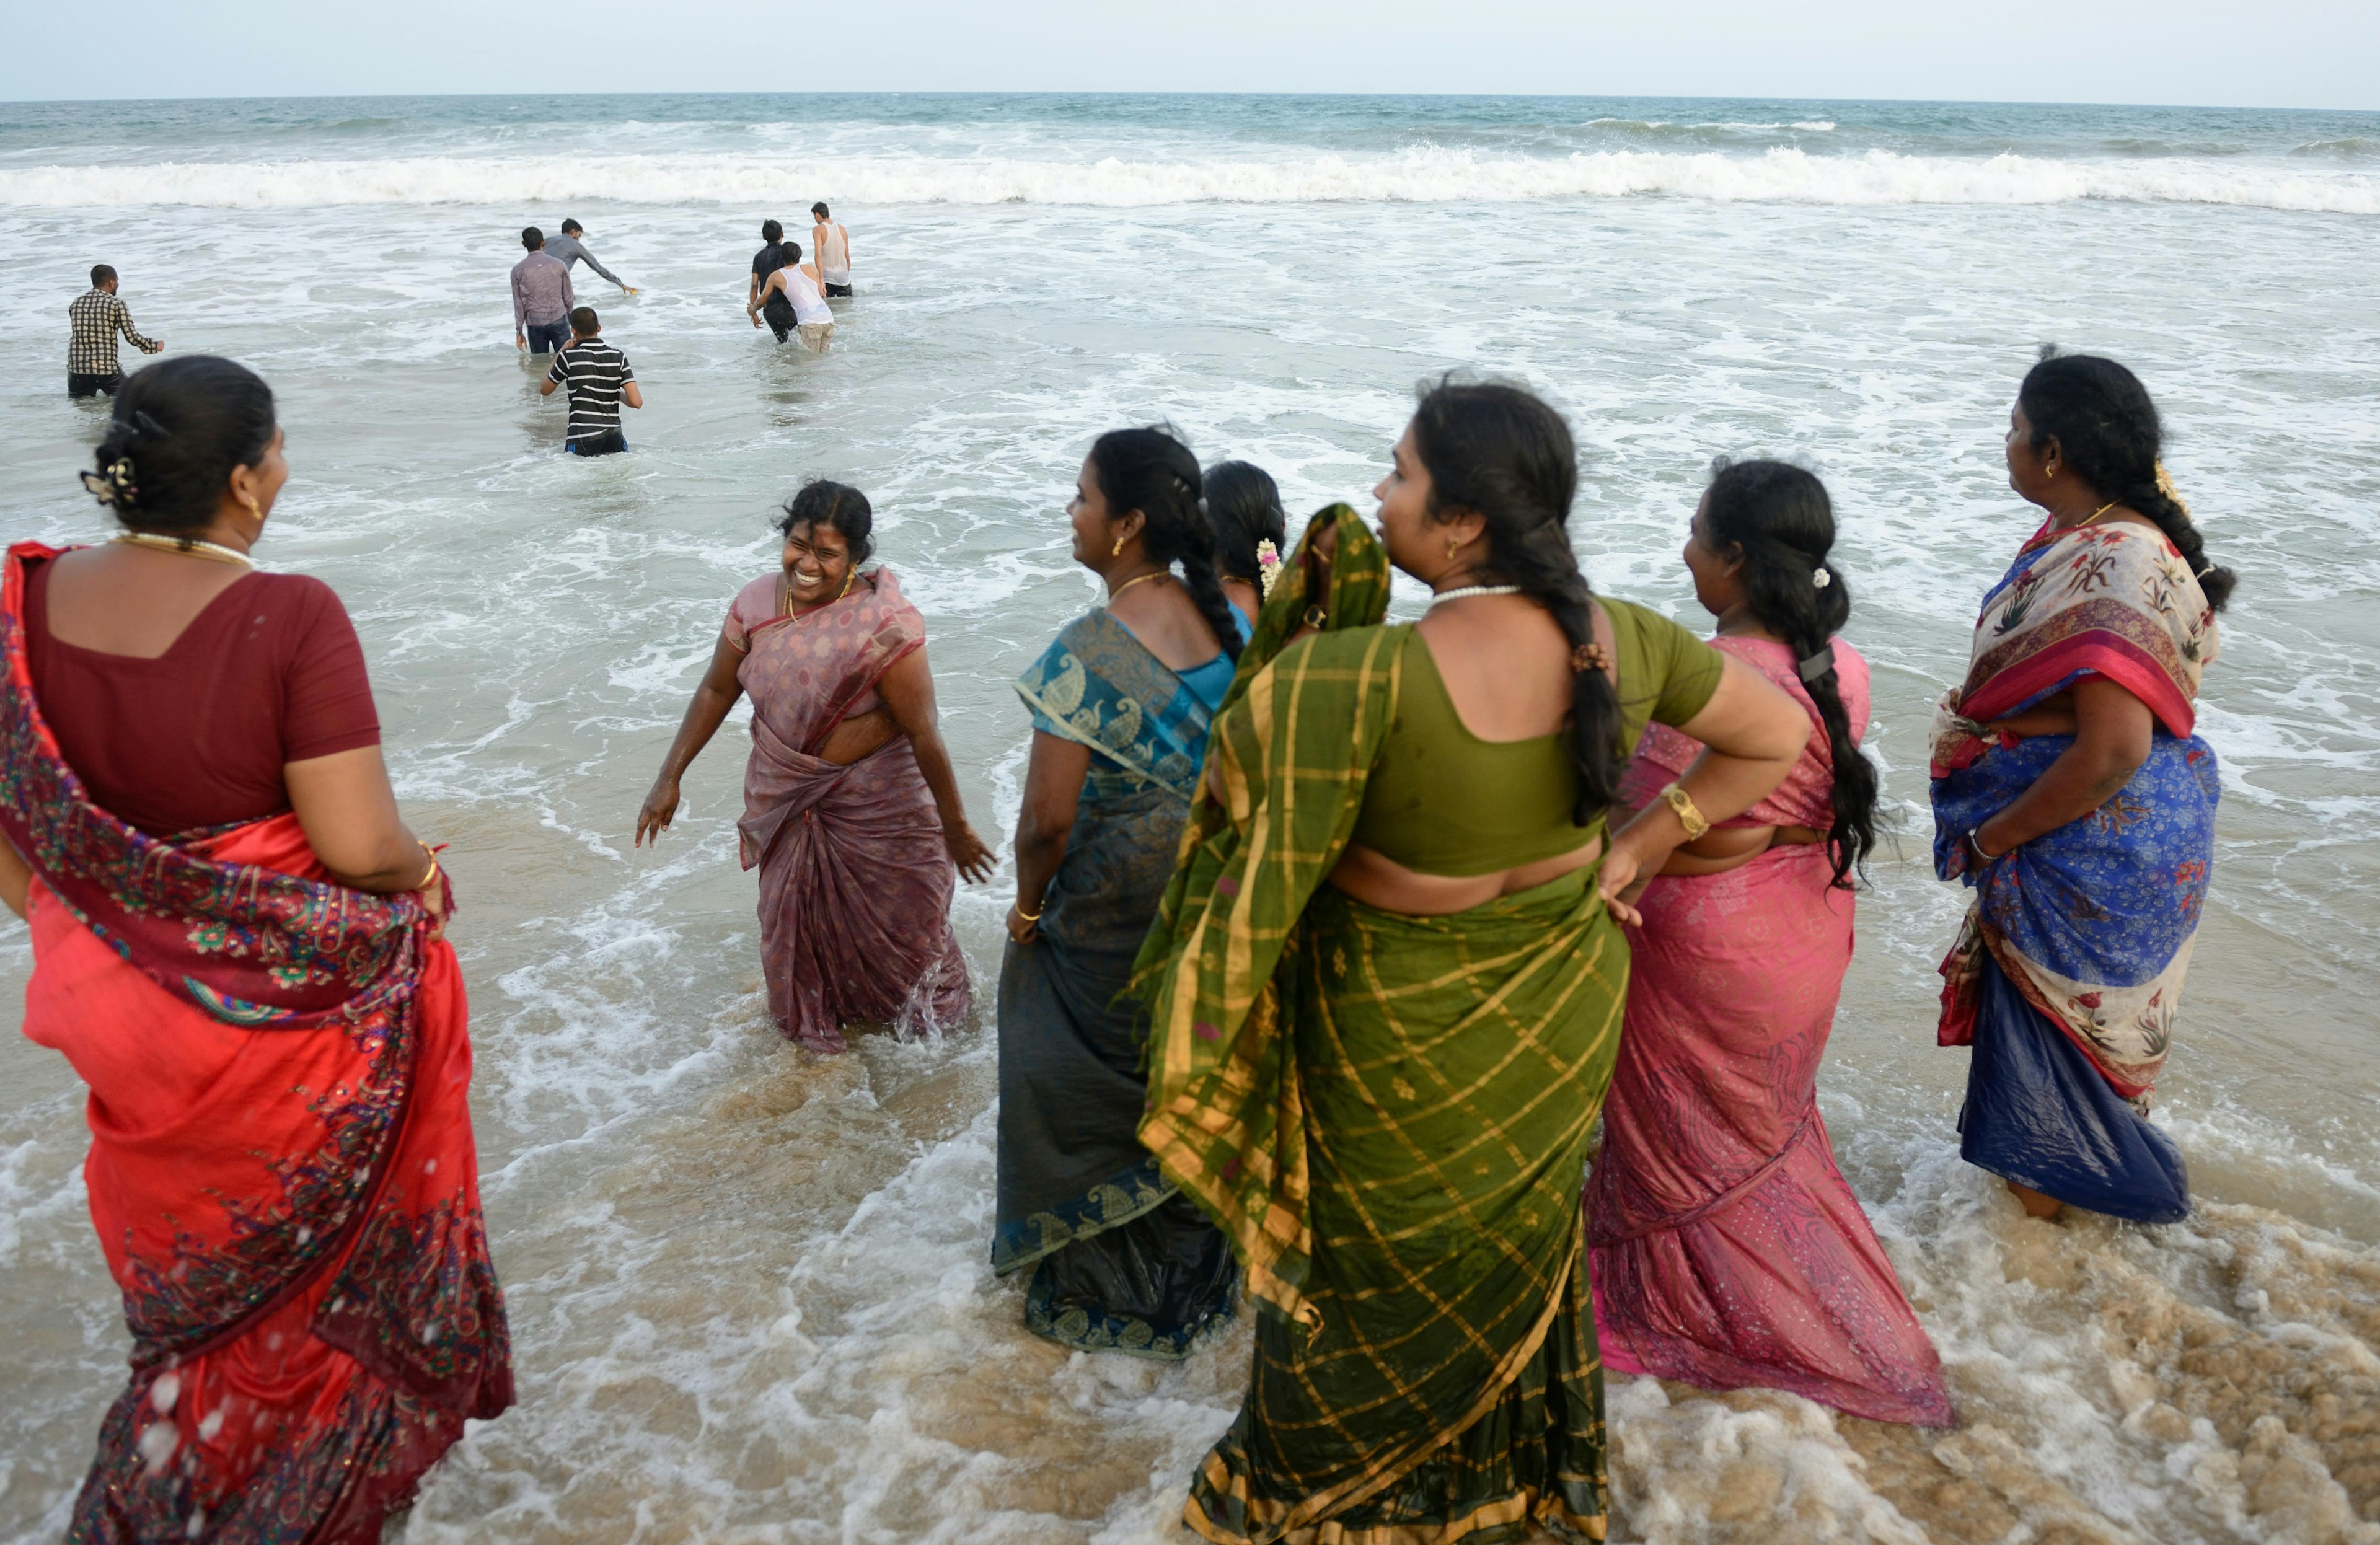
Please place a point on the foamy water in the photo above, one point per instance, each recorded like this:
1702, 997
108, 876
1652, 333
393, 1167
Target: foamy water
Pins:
749, 1292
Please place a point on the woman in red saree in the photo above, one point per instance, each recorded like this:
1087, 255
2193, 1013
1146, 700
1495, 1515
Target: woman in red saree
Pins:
1728, 1249
238, 945
850, 810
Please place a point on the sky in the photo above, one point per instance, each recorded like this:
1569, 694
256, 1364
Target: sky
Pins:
2321, 54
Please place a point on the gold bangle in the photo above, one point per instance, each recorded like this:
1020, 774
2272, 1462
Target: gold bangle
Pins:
1689, 817
431, 878
1030, 917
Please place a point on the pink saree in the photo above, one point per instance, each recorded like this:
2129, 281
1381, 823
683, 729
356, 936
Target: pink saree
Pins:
855, 881
1728, 1250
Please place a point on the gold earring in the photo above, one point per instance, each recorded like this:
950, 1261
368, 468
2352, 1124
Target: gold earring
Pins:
252, 508
1117, 551
1453, 545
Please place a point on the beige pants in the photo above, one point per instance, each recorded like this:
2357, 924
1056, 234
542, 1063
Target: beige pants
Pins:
814, 336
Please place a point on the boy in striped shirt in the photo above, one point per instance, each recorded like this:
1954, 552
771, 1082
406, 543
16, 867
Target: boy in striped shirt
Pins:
600, 380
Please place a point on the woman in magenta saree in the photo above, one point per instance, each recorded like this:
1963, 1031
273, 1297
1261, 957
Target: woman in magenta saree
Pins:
282, 1172
1728, 1250
851, 810
2073, 796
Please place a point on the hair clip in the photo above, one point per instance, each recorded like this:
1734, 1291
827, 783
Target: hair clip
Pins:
1590, 656
1816, 665
147, 425
113, 485
1820, 579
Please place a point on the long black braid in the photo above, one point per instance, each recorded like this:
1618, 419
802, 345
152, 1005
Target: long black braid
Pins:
2108, 431
1777, 519
1499, 452
1152, 471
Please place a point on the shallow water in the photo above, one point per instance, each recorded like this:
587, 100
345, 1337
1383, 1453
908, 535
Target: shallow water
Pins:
748, 1290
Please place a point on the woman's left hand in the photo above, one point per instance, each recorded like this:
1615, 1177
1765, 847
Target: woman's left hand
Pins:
968, 852
1621, 867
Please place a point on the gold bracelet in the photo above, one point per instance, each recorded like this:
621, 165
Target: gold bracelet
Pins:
1688, 816
1031, 916
430, 878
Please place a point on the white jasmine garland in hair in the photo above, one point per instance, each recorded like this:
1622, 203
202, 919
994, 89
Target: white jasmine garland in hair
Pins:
1267, 567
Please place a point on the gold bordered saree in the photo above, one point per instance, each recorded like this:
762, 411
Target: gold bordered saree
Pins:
1388, 1115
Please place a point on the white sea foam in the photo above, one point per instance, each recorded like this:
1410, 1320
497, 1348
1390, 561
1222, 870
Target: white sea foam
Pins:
1419, 174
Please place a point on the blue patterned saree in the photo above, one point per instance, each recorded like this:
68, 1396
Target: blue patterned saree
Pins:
1121, 1261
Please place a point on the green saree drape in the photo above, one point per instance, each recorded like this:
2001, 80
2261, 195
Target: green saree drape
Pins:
1389, 1116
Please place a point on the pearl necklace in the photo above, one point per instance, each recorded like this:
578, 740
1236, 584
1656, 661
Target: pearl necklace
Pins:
1468, 591
189, 547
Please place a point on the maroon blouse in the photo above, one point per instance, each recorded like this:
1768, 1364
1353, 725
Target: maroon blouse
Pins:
271, 672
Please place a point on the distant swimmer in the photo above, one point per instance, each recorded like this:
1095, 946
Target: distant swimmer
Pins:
97, 317
832, 245
571, 251
797, 282
600, 380
778, 313
541, 297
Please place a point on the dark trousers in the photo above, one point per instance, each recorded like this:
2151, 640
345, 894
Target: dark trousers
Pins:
548, 338
778, 313
93, 385
610, 443
838, 290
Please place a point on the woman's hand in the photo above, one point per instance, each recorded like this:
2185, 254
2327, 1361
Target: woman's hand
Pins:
967, 851
1618, 883
435, 896
1021, 929
660, 809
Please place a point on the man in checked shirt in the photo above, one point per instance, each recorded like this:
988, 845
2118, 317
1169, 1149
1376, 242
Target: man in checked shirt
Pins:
97, 317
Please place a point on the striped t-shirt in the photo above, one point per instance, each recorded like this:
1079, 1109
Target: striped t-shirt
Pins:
593, 373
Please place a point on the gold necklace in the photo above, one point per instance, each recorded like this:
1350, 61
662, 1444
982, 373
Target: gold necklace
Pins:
189, 547
786, 592
2094, 515
1136, 579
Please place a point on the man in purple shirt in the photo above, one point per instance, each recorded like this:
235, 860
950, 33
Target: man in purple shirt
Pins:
542, 298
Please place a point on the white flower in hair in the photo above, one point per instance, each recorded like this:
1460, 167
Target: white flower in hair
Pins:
1267, 567
1821, 579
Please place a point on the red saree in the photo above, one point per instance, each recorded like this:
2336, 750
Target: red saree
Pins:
282, 1172
855, 879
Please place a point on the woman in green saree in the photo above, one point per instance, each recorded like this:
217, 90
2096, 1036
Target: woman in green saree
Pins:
1386, 984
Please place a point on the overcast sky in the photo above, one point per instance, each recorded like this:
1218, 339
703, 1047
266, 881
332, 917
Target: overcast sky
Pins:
2246, 53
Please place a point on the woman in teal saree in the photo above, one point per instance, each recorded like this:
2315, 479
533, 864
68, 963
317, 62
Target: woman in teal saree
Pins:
1120, 703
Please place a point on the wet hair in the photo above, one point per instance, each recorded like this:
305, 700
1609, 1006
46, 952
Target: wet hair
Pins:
178, 431
2109, 431
1502, 452
838, 506
99, 274
1777, 518
820, 210
771, 231
585, 322
788, 254
1243, 506
1152, 471
572, 227
531, 237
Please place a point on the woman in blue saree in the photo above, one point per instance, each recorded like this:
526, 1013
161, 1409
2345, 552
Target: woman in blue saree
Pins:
2073, 794
1120, 704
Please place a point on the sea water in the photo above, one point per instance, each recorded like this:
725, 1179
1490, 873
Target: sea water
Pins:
749, 1293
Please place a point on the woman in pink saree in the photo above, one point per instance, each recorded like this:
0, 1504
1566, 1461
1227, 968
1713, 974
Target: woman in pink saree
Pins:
1728, 1249
850, 810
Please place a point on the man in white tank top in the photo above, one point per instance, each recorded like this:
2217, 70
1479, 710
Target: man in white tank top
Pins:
797, 282
832, 245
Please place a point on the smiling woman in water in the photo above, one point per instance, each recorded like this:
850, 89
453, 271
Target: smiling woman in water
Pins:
850, 810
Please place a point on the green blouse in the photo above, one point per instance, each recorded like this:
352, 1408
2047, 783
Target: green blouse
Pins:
1441, 800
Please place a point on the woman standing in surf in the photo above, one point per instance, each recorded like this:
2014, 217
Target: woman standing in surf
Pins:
850, 810
238, 945
2072, 795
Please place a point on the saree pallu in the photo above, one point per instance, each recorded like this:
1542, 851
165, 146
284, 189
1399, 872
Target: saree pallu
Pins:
282, 1172
1389, 1115
1120, 1261
1728, 1249
855, 879
2068, 972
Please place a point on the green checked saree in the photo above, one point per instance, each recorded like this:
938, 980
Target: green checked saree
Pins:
1389, 1116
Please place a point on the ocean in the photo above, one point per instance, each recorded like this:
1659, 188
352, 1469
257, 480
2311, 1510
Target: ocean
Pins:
750, 1291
